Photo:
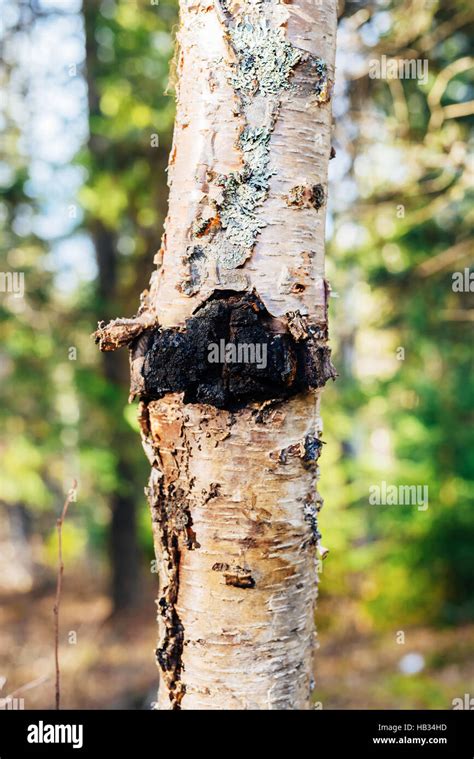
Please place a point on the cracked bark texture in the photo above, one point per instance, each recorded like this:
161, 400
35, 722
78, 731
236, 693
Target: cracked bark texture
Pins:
231, 498
232, 490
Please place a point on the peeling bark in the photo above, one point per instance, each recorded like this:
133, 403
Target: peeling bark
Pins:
234, 446
234, 507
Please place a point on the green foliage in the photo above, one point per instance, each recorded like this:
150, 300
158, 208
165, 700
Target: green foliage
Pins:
66, 415
404, 417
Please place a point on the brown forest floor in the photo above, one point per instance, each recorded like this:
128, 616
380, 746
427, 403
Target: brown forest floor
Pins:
112, 663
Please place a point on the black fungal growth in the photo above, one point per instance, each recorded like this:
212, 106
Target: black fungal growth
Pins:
276, 364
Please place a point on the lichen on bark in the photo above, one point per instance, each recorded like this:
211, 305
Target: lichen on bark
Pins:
261, 69
243, 192
265, 58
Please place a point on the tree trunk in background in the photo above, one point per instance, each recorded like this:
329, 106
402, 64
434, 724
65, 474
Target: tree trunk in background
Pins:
122, 538
234, 446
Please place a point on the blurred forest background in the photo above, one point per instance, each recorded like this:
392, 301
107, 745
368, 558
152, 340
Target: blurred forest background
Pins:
87, 115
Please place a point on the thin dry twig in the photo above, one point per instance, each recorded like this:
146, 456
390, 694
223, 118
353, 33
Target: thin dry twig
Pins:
59, 526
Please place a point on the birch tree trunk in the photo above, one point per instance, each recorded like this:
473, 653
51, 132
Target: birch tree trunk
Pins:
234, 444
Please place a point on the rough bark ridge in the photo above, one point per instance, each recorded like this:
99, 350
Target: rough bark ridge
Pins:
234, 449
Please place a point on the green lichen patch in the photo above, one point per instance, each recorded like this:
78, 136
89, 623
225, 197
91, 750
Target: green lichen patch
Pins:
265, 59
245, 190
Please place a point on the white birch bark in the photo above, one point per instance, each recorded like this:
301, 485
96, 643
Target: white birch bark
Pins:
233, 492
